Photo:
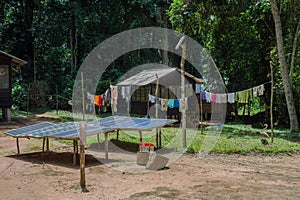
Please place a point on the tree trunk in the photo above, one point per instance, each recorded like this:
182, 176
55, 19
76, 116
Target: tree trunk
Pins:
27, 7
294, 126
294, 53
165, 58
73, 42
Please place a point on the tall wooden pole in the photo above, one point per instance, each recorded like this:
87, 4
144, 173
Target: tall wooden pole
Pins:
82, 154
271, 104
156, 108
28, 93
83, 102
201, 115
56, 90
183, 112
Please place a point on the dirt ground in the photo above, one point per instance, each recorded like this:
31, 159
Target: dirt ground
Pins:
32, 175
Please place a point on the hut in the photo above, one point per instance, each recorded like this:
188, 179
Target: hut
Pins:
168, 83
144, 82
7, 61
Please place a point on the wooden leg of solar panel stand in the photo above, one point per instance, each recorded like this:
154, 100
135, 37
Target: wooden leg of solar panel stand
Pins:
82, 155
156, 137
98, 139
18, 147
47, 144
75, 151
141, 136
43, 149
159, 139
117, 135
106, 145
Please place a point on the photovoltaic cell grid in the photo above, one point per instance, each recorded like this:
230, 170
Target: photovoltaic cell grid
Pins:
131, 123
26, 131
70, 130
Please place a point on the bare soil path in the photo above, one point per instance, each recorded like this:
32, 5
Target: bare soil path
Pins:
32, 175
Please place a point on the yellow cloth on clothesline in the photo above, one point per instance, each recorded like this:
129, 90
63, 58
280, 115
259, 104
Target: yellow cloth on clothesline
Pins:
244, 96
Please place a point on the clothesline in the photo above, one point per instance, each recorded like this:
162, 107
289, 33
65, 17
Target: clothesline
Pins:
243, 96
110, 97
254, 86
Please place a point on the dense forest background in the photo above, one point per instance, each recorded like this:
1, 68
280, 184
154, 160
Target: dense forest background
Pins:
55, 36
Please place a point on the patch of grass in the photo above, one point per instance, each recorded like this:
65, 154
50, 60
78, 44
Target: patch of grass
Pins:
234, 138
19, 113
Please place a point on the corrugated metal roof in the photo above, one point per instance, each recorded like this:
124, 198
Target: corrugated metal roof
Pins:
146, 77
15, 61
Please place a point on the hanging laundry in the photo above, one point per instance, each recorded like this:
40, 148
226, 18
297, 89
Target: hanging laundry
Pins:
126, 92
171, 103
90, 97
208, 96
231, 97
107, 97
255, 91
197, 88
114, 97
261, 90
213, 97
164, 104
98, 100
244, 96
176, 103
203, 95
218, 98
152, 98
223, 98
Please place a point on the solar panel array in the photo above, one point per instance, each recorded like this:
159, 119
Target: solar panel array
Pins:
26, 130
71, 130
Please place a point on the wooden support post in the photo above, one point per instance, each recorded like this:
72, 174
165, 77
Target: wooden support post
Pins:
82, 154
159, 138
156, 108
27, 103
183, 95
117, 135
141, 136
271, 104
106, 145
156, 137
18, 147
75, 151
201, 116
47, 144
43, 149
83, 98
8, 114
56, 90
98, 140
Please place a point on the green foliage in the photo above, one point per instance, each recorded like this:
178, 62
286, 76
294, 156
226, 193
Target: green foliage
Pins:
19, 94
56, 36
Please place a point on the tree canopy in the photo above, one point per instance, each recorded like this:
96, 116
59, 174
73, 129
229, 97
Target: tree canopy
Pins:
55, 36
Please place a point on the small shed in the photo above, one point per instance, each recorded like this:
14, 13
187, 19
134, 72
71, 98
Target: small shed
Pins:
169, 87
7, 61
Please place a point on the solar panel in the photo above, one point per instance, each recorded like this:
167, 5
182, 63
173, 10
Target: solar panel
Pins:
128, 123
70, 130
27, 130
